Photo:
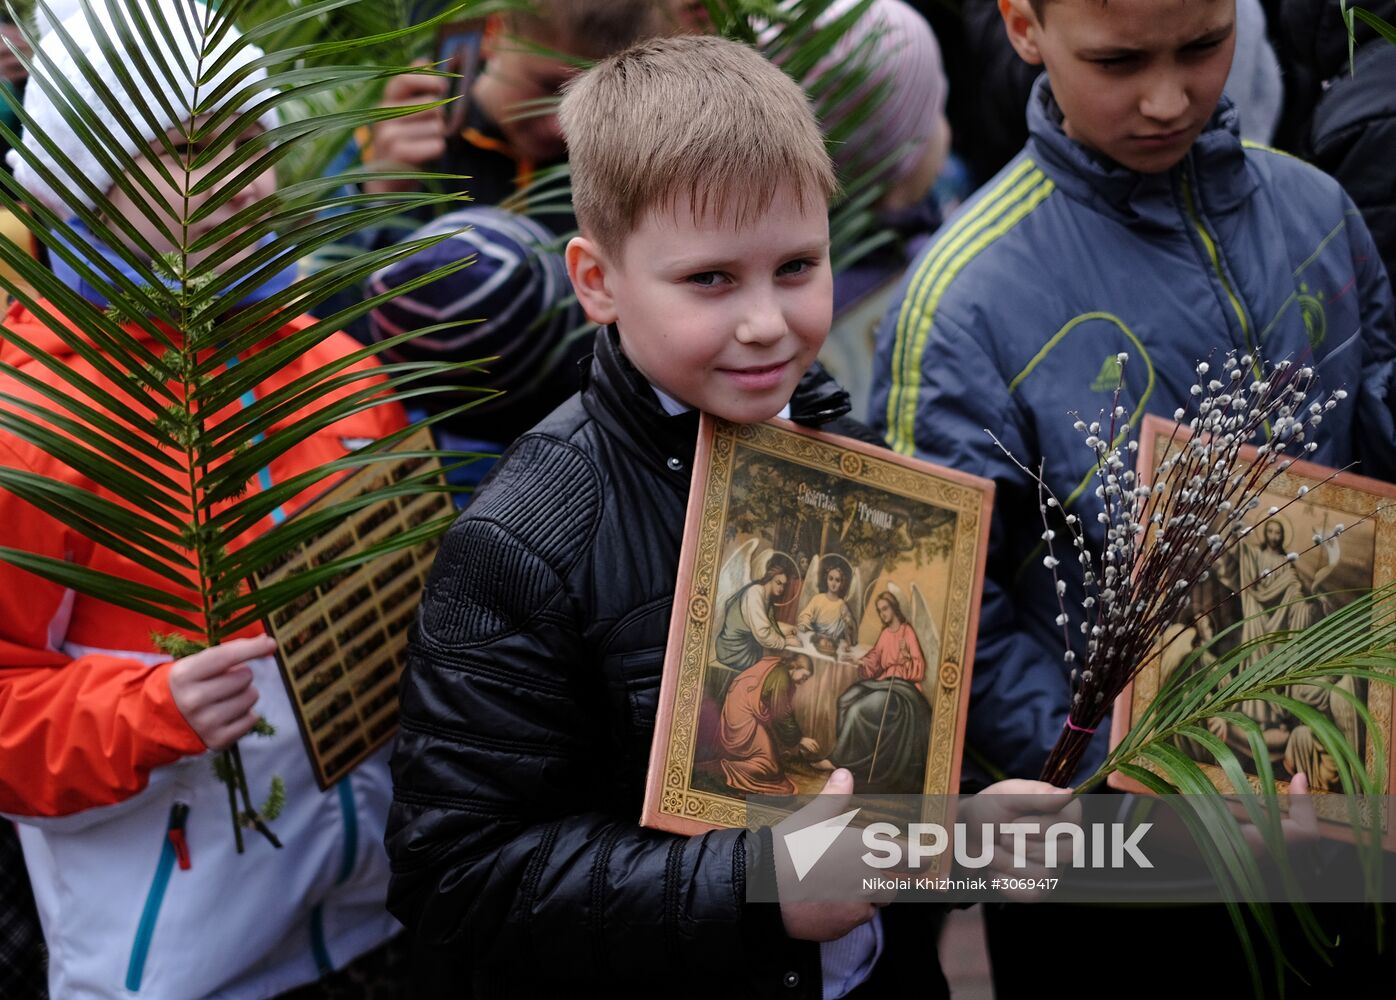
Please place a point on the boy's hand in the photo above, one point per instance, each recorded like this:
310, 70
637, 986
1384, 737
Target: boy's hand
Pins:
1300, 827
413, 141
823, 919
1018, 800
213, 690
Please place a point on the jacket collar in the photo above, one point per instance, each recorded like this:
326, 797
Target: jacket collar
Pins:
621, 400
1216, 163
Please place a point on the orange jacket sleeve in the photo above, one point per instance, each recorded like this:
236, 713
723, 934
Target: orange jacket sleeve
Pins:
85, 734
74, 733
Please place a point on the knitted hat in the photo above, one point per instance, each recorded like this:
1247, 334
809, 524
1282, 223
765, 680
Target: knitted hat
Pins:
899, 51
48, 121
515, 303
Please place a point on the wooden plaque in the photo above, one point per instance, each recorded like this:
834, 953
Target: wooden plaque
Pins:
342, 646
1322, 579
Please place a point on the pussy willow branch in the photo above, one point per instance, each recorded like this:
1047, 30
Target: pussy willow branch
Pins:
1162, 540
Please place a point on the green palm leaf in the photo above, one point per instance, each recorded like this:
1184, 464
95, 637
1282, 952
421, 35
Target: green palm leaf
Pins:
1354, 642
117, 590
249, 512
263, 602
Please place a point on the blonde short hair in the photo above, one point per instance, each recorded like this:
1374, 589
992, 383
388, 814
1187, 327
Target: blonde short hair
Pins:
692, 116
592, 28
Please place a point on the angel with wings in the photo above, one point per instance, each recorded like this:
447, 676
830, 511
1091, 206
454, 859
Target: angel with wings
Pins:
827, 613
750, 626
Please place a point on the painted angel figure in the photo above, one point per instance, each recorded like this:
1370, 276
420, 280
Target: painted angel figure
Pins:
749, 628
826, 613
897, 653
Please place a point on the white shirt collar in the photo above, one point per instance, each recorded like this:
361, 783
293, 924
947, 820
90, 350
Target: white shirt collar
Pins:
673, 407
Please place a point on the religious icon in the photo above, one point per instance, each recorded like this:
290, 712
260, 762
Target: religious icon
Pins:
1288, 572
825, 617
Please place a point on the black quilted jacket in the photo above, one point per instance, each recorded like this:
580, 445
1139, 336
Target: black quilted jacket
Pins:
1351, 131
527, 710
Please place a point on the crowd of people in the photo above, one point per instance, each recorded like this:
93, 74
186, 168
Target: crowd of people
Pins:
1058, 182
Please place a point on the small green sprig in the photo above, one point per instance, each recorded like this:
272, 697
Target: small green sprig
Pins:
176, 646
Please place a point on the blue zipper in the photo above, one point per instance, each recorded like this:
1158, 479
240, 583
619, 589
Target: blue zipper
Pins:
247, 399
350, 816
145, 930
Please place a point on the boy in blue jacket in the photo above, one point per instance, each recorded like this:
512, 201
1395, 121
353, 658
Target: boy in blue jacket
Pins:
1137, 221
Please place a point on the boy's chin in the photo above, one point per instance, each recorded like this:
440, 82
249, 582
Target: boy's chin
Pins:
1143, 160
1152, 166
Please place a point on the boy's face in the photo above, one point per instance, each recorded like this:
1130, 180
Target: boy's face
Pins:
513, 76
722, 318
1137, 80
175, 196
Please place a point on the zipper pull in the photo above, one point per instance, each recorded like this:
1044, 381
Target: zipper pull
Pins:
179, 816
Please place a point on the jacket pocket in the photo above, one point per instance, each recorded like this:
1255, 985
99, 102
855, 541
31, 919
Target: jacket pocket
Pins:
641, 674
172, 851
632, 684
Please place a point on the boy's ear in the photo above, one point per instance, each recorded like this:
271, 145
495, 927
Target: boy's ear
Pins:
1022, 27
588, 268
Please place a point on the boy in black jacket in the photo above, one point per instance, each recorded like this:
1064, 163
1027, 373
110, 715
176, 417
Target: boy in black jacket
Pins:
701, 184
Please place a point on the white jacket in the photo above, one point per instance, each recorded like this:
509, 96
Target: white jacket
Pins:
123, 919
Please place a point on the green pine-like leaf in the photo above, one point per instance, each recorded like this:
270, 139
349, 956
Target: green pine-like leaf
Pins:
260, 603
1356, 642
115, 590
1376, 23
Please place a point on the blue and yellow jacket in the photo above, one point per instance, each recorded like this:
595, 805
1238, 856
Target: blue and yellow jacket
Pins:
1012, 318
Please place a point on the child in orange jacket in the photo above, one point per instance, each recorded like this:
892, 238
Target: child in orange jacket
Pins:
103, 740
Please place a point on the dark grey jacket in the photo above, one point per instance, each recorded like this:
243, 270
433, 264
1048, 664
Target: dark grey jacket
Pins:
1351, 133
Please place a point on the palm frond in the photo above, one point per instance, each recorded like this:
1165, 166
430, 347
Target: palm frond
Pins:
1352, 14
1353, 642
1172, 746
154, 404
